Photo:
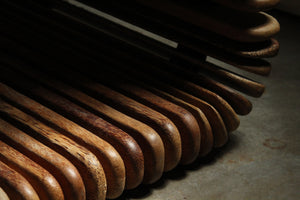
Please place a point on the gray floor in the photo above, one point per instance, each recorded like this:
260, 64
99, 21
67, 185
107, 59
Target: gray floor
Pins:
261, 160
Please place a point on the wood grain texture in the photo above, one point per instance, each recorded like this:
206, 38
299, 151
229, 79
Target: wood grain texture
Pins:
110, 159
268, 48
235, 52
15, 185
216, 122
225, 76
239, 103
205, 128
149, 141
45, 185
236, 81
87, 164
124, 143
228, 115
142, 122
246, 60
161, 124
214, 118
210, 70
166, 129
131, 76
183, 120
63, 170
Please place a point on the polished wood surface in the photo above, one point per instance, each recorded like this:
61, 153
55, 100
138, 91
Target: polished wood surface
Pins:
91, 105
92, 174
160, 123
149, 141
62, 169
15, 185
127, 147
41, 180
111, 161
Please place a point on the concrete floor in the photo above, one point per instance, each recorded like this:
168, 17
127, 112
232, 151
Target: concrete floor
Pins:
262, 158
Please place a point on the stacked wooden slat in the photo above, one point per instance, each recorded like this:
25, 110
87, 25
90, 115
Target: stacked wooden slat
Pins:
90, 106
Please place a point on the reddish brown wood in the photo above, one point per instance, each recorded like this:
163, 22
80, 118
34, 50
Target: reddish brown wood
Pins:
227, 77
14, 185
45, 185
269, 50
205, 128
149, 141
161, 124
184, 120
110, 159
87, 164
124, 143
240, 104
234, 52
166, 129
218, 127
228, 115
63, 170
243, 59
242, 83
214, 118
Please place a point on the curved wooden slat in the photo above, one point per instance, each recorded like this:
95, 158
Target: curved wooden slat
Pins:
149, 141
45, 185
161, 124
110, 159
63, 170
15, 185
90, 168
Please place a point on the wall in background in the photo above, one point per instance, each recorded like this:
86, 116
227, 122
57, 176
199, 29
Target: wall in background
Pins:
291, 6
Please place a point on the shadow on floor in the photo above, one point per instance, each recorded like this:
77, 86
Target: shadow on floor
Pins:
180, 172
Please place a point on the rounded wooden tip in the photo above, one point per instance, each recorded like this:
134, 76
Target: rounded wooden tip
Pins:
191, 140
172, 144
